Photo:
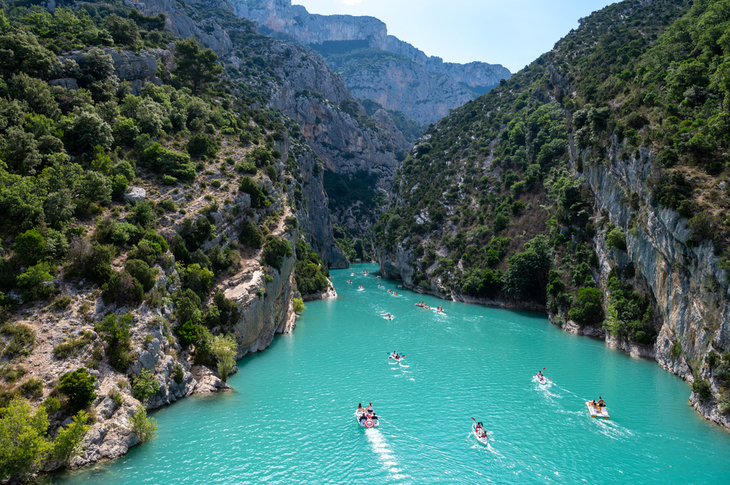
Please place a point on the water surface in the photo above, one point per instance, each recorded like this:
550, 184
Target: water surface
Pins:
290, 418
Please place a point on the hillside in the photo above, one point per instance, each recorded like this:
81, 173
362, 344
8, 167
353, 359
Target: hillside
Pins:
593, 185
164, 211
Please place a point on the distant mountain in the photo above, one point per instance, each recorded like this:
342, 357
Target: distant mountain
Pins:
376, 65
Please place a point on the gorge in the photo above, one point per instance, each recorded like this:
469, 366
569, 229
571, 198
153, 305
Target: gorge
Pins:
170, 204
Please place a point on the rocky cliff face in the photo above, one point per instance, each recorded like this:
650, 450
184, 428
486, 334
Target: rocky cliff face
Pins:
405, 84
685, 281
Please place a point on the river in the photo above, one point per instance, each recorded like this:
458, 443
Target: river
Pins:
290, 417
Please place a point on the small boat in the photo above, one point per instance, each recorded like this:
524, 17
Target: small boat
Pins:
366, 420
482, 438
597, 411
396, 356
541, 379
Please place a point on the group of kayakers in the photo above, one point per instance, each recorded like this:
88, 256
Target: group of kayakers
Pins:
422, 304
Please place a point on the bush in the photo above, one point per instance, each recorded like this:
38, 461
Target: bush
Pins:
224, 348
275, 251
258, 197
144, 427
78, 386
73, 346
299, 305
178, 374
203, 146
115, 332
32, 388
144, 385
30, 247
703, 390
588, 307
251, 235
122, 289
186, 304
616, 239
22, 339
198, 279
141, 272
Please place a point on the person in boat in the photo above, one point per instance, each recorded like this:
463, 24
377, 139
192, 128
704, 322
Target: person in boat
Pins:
479, 426
601, 402
369, 409
360, 408
539, 374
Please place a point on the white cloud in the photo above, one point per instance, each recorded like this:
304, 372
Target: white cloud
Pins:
350, 2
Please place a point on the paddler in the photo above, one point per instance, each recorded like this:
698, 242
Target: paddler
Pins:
601, 402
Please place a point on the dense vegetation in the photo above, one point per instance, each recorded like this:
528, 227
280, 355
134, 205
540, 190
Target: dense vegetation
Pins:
74, 138
490, 207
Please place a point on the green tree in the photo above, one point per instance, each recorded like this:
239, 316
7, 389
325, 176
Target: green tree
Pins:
145, 385
276, 250
194, 67
30, 246
115, 332
23, 446
68, 441
224, 349
21, 52
123, 31
588, 307
144, 427
78, 386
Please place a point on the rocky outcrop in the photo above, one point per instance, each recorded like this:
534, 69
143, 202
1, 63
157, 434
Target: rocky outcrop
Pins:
182, 25
405, 83
136, 69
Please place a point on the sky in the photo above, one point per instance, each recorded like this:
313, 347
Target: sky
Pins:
508, 32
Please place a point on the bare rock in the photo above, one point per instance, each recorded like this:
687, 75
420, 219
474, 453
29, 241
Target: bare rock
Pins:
135, 194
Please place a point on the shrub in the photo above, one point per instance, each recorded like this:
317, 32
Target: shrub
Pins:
23, 446
588, 307
198, 279
36, 282
251, 235
178, 374
616, 239
224, 348
145, 385
258, 197
73, 346
299, 305
703, 390
30, 246
78, 386
144, 427
32, 388
122, 289
201, 145
186, 304
115, 332
68, 441
141, 272
22, 338
276, 249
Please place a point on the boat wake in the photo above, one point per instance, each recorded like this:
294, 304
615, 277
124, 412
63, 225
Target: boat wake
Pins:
386, 457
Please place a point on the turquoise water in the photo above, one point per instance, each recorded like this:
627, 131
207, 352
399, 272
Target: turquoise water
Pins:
290, 418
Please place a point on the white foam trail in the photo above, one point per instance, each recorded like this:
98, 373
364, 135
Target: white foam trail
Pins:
380, 446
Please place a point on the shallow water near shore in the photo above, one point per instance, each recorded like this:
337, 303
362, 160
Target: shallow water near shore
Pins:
291, 419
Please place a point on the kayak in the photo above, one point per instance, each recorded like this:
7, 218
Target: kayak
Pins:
597, 412
541, 379
396, 357
366, 420
482, 439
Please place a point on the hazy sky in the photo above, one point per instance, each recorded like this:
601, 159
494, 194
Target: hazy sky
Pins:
508, 32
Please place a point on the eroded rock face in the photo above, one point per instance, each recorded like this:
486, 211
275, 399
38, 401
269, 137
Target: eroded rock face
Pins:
406, 84
686, 283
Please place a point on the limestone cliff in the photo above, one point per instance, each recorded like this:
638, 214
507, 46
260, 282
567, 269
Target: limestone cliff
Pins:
404, 85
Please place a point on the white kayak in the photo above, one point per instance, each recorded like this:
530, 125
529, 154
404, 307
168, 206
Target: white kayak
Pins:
482, 439
597, 411
366, 420
395, 357
541, 379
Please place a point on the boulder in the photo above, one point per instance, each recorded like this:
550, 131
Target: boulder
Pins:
135, 194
